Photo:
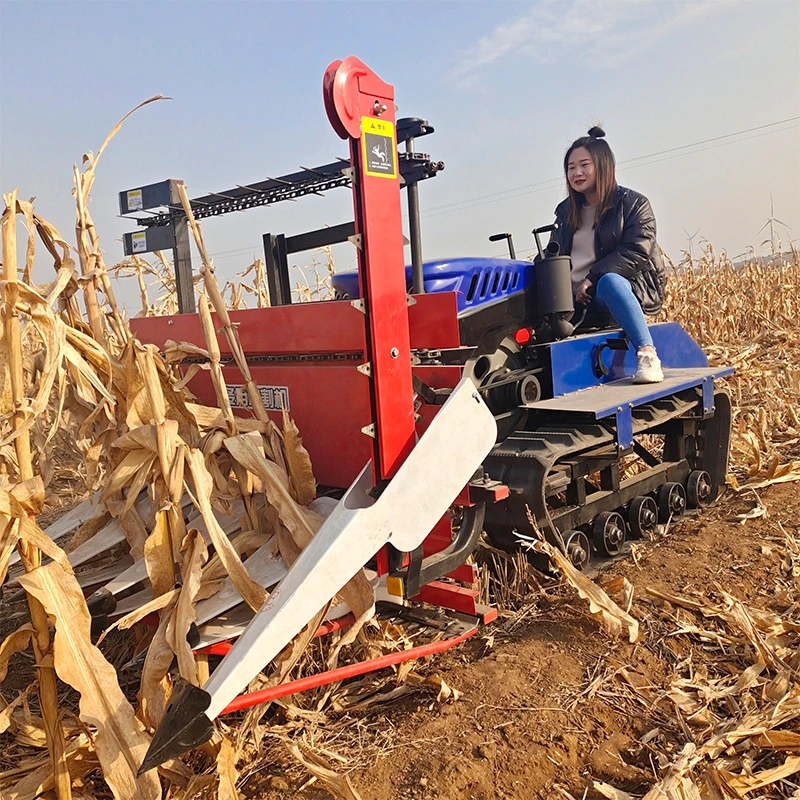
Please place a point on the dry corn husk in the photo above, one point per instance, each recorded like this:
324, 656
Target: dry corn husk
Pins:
119, 740
610, 616
338, 785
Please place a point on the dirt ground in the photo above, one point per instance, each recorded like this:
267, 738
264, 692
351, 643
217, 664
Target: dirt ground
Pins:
539, 715
541, 712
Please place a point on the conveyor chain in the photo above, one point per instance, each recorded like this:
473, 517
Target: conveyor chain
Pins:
273, 190
413, 167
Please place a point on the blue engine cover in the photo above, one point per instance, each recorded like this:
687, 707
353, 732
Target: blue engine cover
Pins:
474, 280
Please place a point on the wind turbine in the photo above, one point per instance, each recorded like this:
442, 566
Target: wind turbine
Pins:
772, 221
690, 239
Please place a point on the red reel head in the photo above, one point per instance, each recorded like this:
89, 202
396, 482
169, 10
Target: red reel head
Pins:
343, 88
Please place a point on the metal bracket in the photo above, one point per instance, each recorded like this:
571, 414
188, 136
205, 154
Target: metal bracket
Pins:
369, 430
411, 300
356, 239
624, 427
486, 490
424, 391
599, 368
708, 397
365, 368
348, 172
359, 305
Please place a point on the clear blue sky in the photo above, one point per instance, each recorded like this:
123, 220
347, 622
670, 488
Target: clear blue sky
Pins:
506, 84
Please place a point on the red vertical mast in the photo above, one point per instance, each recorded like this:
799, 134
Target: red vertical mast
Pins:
360, 107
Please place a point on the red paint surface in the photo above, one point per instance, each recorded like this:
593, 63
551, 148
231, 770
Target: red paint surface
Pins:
324, 327
439, 538
433, 321
449, 595
354, 93
330, 326
466, 573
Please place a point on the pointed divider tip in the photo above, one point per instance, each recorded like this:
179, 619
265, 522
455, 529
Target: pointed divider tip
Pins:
184, 726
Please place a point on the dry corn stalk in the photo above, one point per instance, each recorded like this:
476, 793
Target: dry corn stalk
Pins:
93, 269
745, 314
31, 556
120, 741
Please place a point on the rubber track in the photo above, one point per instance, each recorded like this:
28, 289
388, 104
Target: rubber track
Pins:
547, 446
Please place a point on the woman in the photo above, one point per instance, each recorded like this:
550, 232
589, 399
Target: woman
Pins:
610, 234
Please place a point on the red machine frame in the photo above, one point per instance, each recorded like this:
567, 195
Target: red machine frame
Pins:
343, 368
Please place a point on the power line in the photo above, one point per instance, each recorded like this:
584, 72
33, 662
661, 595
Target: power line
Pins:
551, 183
714, 146
717, 138
226, 253
542, 185
632, 166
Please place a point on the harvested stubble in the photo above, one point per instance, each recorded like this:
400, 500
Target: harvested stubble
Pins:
724, 718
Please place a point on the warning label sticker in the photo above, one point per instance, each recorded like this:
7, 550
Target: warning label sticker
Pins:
274, 398
139, 242
379, 148
135, 200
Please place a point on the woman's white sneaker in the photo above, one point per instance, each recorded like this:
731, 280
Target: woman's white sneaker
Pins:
648, 368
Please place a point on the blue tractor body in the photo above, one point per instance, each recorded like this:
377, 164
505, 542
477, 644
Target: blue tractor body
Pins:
476, 281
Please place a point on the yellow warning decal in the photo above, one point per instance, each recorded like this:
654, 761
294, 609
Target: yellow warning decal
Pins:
139, 242
135, 200
379, 149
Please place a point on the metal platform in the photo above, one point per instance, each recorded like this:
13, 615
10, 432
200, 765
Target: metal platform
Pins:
605, 400
618, 398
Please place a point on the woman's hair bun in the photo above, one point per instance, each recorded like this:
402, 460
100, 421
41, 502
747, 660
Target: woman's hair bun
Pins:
596, 132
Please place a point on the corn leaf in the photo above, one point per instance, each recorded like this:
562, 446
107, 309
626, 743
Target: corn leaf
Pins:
120, 742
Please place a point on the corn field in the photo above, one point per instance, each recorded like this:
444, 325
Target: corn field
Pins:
88, 411
748, 316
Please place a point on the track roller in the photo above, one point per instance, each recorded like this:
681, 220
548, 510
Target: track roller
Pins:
578, 548
671, 501
698, 488
642, 516
608, 532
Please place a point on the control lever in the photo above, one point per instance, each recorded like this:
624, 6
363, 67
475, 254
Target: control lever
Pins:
543, 229
498, 237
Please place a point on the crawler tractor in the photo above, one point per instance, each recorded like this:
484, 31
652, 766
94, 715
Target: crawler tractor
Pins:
440, 401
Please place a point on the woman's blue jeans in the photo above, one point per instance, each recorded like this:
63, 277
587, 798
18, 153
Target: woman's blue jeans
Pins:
614, 293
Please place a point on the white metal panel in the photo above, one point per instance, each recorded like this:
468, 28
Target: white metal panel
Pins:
443, 461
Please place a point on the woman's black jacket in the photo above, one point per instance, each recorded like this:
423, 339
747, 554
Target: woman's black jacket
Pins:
625, 243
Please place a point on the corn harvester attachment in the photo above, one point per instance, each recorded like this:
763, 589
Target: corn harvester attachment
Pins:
437, 401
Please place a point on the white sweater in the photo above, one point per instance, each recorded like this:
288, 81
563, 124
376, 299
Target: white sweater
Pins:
583, 255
